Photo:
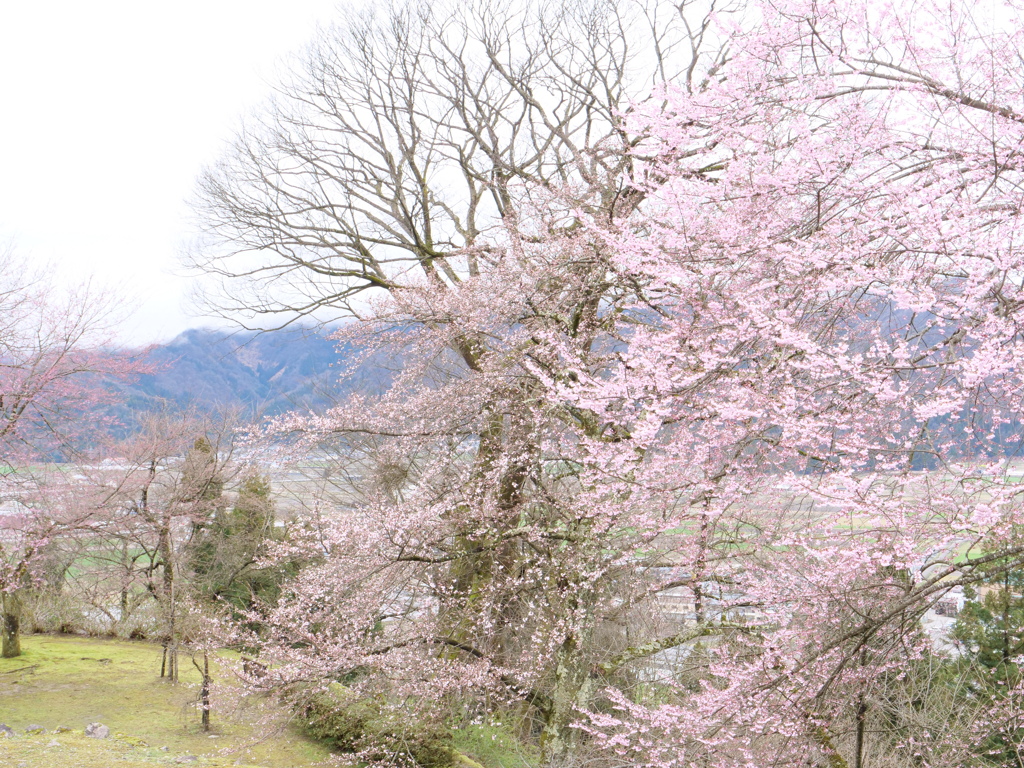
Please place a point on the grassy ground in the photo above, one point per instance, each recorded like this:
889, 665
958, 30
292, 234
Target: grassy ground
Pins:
71, 682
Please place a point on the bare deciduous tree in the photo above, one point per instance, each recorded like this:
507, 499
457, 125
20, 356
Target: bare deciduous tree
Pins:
415, 130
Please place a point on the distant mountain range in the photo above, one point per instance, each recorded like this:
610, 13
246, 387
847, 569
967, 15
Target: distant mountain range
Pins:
259, 374
266, 374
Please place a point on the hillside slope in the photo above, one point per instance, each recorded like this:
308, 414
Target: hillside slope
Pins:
258, 374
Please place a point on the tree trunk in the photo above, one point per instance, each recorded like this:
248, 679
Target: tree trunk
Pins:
204, 692
10, 632
487, 556
126, 563
166, 551
472, 570
570, 691
169, 661
165, 593
172, 661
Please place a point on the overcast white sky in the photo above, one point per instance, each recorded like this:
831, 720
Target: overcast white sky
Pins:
110, 108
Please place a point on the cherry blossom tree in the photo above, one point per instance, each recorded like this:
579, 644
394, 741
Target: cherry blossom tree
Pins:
57, 361
135, 519
726, 400
836, 345
395, 167
164, 487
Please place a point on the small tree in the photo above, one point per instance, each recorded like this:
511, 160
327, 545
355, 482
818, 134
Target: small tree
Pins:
990, 627
989, 633
168, 480
225, 554
57, 364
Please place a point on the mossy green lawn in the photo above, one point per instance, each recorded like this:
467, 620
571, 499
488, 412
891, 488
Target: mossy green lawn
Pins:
75, 750
71, 682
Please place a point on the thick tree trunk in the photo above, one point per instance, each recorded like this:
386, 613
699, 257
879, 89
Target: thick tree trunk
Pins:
10, 631
570, 691
571, 683
472, 570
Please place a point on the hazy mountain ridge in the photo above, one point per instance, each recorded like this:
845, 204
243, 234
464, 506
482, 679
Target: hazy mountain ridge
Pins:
260, 374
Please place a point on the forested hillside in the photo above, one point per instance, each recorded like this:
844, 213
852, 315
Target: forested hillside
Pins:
258, 374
